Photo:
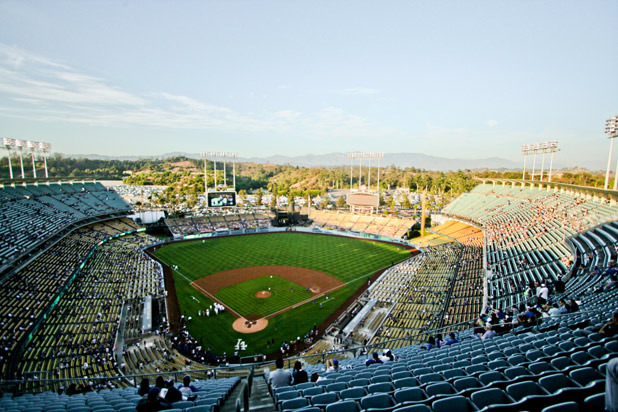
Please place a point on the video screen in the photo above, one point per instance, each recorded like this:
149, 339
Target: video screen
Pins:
221, 199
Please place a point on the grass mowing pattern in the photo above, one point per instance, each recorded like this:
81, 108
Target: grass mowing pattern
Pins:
348, 259
242, 298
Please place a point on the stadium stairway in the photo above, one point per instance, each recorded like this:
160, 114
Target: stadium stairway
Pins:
260, 399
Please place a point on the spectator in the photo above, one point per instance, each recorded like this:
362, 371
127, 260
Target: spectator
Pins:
332, 365
144, 387
542, 295
573, 305
451, 339
610, 328
431, 343
173, 394
299, 375
186, 389
554, 311
151, 403
280, 377
315, 377
375, 358
489, 333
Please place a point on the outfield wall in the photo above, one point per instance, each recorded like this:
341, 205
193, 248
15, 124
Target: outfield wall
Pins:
315, 230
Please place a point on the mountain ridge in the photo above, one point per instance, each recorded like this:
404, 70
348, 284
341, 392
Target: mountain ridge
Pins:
401, 160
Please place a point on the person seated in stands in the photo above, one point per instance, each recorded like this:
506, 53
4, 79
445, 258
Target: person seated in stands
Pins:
186, 389
72, 389
375, 358
611, 269
573, 305
431, 343
332, 365
564, 307
489, 333
315, 377
280, 377
299, 375
150, 403
387, 356
159, 384
144, 387
173, 394
554, 311
610, 328
451, 339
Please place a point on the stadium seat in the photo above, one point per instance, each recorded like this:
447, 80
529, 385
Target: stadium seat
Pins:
491, 396
292, 404
309, 392
594, 402
564, 407
355, 393
343, 406
199, 409
441, 388
584, 376
452, 403
336, 387
377, 402
409, 395
383, 387
466, 383
324, 399
413, 408
430, 377
405, 382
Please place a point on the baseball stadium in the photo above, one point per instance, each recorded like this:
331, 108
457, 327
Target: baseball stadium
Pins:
95, 301
293, 206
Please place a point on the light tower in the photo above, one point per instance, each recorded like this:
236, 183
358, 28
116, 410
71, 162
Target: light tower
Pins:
8, 143
32, 146
220, 155
611, 129
45, 148
20, 147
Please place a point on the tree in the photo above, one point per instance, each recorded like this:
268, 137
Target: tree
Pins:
324, 203
258, 197
341, 202
406, 203
242, 194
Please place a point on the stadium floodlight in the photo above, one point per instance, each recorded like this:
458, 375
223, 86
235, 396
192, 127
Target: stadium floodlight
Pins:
219, 155
32, 146
45, 148
19, 144
360, 156
8, 144
611, 129
543, 148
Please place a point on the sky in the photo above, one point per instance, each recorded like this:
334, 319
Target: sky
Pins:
458, 79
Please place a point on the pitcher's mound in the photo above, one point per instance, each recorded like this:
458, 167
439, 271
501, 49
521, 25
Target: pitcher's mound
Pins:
263, 294
243, 325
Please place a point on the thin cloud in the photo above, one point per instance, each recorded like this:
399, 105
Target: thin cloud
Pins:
47, 91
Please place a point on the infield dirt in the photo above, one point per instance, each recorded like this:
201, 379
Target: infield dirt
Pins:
314, 280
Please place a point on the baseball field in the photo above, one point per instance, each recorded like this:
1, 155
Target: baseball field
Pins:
288, 281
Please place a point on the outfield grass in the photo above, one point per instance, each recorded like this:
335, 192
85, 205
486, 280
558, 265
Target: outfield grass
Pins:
348, 259
242, 298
